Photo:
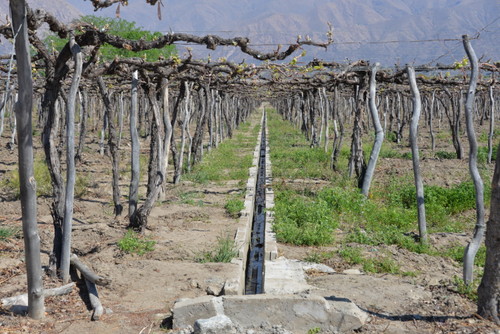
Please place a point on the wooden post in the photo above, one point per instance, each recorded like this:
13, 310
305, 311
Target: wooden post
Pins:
422, 224
379, 133
23, 110
70, 161
134, 137
473, 246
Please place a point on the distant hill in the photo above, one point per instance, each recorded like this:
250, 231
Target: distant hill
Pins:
62, 9
359, 26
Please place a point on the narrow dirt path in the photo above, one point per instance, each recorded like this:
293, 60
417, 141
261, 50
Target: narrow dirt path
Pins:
188, 222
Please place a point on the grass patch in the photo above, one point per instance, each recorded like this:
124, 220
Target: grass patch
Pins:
306, 215
457, 252
82, 184
292, 155
318, 257
11, 184
191, 198
8, 233
234, 206
468, 291
134, 243
482, 154
229, 161
351, 255
384, 264
445, 155
303, 221
381, 265
224, 251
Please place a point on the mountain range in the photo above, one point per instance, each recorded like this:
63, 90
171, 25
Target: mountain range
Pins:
386, 31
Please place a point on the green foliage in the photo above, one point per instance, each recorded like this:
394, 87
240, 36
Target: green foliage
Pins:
388, 153
469, 291
445, 155
381, 265
229, 161
224, 251
392, 137
386, 235
121, 28
292, 155
82, 184
314, 330
483, 137
482, 154
191, 198
303, 221
351, 255
457, 252
456, 199
134, 243
8, 232
314, 257
11, 183
234, 206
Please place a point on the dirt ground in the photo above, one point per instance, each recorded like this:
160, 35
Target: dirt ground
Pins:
187, 222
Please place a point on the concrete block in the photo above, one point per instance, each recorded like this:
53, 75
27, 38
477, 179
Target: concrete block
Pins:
346, 316
215, 325
294, 312
234, 286
187, 311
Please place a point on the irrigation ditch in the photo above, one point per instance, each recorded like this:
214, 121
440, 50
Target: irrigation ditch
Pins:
269, 291
254, 278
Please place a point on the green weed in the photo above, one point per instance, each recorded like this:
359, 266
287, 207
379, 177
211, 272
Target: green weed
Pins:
381, 265
469, 291
445, 155
82, 184
42, 176
233, 207
229, 161
456, 199
8, 233
318, 257
456, 253
292, 155
191, 198
482, 154
134, 243
302, 221
224, 251
351, 255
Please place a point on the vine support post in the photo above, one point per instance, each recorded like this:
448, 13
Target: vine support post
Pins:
134, 136
489, 290
357, 162
417, 108
70, 161
379, 132
431, 125
492, 124
23, 111
473, 246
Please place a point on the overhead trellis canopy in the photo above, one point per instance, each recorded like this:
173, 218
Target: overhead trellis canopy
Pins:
270, 76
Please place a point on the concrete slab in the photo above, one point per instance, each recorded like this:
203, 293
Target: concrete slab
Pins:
284, 276
187, 311
295, 313
215, 325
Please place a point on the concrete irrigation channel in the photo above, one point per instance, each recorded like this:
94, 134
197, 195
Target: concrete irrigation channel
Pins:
270, 293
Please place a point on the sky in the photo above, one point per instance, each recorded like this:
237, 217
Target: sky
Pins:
386, 31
